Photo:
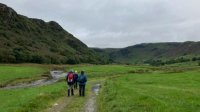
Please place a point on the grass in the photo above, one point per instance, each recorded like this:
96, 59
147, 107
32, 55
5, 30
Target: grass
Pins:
35, 99
99, 71
9, 73
187, 64
126, 89
178, 92
31, 99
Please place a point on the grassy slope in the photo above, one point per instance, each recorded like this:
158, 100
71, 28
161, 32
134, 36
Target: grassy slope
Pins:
178, 92
24, 39
142, 52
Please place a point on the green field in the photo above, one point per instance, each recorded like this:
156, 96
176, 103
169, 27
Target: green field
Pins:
9, 73
178, 92
125, 88
31, 99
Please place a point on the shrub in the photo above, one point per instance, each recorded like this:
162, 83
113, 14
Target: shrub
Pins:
37, 59
194, 59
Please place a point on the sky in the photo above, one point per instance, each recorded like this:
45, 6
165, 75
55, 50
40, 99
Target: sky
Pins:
118, 23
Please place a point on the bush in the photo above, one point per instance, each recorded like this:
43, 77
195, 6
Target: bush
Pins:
156, 62
194, 59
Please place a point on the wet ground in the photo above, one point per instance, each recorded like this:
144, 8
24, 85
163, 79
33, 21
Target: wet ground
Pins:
55, 76
90, 105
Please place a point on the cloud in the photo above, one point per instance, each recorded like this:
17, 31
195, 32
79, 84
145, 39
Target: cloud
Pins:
118, 23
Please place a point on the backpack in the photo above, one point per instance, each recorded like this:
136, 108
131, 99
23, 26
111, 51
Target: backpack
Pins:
82, 79
70, 77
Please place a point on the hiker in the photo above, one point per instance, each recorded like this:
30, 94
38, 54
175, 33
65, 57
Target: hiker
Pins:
75, 79
82, 79
70, 82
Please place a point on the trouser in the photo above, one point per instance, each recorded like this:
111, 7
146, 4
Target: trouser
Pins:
70, 89
82, 90
75, 84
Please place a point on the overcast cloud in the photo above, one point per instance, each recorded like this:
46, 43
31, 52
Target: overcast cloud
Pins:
118, 23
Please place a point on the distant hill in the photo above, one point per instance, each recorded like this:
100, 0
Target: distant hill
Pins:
143, 53
24, 39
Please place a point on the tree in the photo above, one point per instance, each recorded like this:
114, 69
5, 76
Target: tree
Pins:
37, 59
194, 59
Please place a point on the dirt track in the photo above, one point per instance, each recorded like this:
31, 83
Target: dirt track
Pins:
90, 104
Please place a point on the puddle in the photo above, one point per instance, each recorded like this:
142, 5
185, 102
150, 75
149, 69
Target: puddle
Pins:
56, 75
96, 88
91, 103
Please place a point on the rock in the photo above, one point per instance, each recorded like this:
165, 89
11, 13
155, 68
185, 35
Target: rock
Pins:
55, 104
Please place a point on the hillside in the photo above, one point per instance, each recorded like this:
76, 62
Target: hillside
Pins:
142, 53
24, 39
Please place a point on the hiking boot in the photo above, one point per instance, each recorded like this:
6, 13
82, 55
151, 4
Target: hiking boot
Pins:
68, 92
79, 92
72, 92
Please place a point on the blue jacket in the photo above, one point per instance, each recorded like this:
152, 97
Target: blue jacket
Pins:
82, 79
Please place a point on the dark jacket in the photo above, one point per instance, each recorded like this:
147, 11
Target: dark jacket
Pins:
75, 77
82, 79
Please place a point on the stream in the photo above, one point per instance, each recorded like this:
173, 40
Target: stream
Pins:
56, 75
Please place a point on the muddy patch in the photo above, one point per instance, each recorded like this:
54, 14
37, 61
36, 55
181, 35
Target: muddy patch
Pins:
55, 76
90, 105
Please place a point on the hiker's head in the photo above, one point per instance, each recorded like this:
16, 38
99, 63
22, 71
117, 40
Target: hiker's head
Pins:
71, 70
76, 71
82, 72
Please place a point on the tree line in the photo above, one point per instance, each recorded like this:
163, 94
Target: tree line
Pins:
171, 61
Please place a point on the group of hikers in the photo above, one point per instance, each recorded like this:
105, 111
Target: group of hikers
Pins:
73, 80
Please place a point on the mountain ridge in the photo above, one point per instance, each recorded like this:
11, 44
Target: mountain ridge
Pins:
144, 52
24, 39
